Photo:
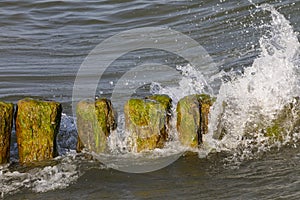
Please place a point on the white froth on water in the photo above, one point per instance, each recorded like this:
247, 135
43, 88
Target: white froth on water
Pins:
123, 153
39, 179
55, 177
192, 82
261, 91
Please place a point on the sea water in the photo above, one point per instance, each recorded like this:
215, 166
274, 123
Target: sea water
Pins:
258, 81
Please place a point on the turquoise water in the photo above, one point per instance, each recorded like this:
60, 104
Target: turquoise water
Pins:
256, 52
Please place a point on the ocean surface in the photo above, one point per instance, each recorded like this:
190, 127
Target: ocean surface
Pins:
250, 54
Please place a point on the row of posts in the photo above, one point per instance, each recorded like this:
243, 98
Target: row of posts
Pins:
147, 120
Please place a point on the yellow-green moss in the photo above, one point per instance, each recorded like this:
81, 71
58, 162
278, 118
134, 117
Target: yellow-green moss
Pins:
188, 120
285, 122
274, 131
146, 120
37, 125
6, 122
164, 100
192, 118
138, 111
95, 120
148, 143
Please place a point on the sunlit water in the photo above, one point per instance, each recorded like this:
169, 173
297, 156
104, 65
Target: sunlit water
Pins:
256, 49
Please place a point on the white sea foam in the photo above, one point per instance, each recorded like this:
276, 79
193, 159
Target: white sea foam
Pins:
260, 92
39, 179
192, 82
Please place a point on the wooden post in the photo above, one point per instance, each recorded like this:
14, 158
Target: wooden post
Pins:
192, 118
95, 120
146, 120
37, 124
6, 123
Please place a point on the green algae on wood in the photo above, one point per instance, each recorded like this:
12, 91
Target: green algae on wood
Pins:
163, 99
95, 121
192, 118
6, 123
37, 125
206, 102
146, 120
188, 121
285, 122
166, 102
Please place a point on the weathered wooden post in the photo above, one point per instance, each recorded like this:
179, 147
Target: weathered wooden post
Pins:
6, 123
37, 124
285, 122
146, 120
192, 118
95, 121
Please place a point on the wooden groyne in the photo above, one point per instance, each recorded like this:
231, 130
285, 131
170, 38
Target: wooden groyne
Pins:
37, 124
147, 121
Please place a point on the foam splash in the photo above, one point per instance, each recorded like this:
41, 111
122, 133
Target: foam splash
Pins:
38, 179
192, 82
259, 93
